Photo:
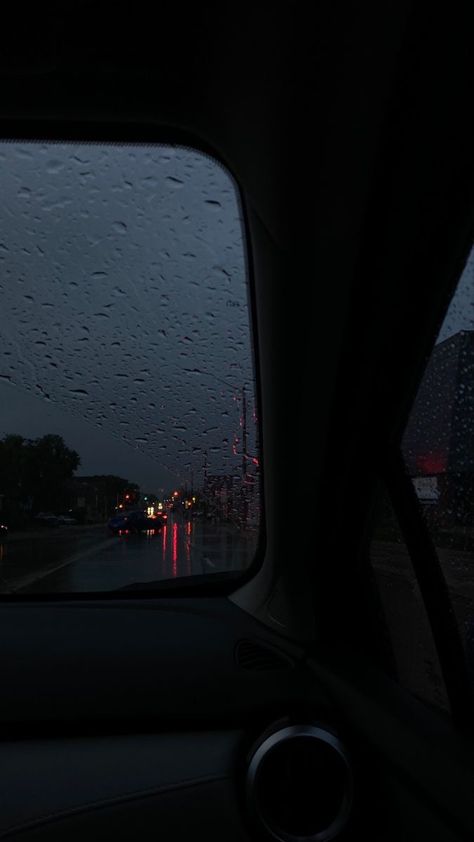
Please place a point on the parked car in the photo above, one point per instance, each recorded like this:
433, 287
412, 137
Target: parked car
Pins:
66, 520
46, 519
134, 522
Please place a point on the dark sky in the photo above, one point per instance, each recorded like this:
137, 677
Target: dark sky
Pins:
124, 317
460, 315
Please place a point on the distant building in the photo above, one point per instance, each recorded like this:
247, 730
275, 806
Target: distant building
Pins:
220, 492
85, 500
439, 439
227, 497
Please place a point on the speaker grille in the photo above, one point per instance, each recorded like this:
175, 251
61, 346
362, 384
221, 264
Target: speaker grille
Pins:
299, 784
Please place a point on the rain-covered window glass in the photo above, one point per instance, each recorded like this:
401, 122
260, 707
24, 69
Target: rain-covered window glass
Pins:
416, 659
438, 448
128, 420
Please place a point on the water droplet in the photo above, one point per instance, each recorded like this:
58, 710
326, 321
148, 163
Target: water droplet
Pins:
54, 167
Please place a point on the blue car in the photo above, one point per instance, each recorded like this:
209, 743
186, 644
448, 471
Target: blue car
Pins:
133, 522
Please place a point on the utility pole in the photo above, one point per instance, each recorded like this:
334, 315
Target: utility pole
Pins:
205, 490
244, 434
244, 459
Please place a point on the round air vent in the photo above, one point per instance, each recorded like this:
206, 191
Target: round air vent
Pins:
299, 784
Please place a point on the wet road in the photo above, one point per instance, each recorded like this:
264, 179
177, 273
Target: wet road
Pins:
96, 561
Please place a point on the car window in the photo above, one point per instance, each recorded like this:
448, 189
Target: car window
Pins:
127, 376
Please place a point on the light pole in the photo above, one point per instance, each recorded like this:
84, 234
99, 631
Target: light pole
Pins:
245, 456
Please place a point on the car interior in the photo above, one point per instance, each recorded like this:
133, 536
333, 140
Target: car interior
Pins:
271, 704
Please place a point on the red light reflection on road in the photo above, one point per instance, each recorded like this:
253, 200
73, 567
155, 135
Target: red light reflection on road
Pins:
164, 548
174, 556
188, 531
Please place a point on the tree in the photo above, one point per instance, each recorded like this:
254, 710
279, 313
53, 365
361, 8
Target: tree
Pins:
49, 464
150, 497
33, 473
13, 456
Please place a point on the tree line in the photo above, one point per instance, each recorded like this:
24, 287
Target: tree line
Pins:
37, 475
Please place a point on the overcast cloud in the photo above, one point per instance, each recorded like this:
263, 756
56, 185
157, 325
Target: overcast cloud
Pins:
124, 317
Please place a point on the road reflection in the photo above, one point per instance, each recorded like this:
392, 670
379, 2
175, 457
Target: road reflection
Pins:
188, 531
175, 550
163, 550
181, 548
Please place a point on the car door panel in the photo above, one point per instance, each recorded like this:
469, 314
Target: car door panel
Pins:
160, 661
160, 738
107, 747
116, 787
